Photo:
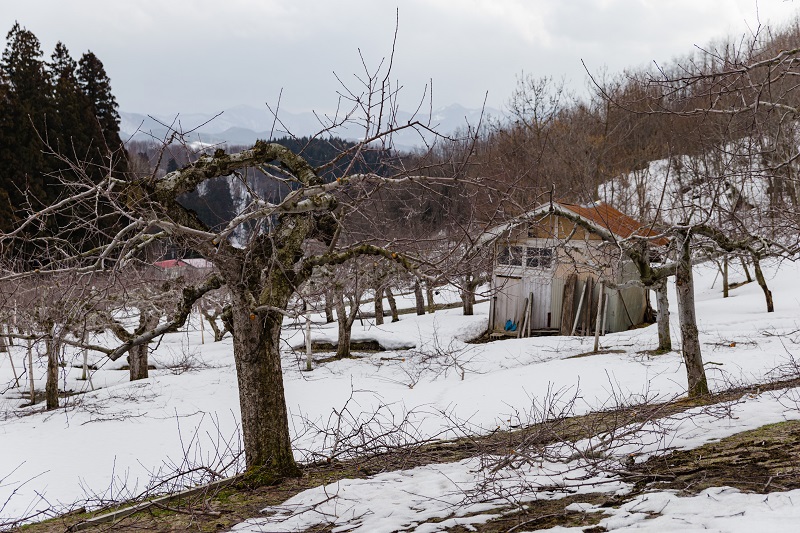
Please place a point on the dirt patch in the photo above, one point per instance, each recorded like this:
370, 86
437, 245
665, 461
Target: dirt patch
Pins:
355, 346
541, 514
763, 460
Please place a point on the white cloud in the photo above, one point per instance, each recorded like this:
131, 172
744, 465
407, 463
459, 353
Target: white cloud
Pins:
205, 55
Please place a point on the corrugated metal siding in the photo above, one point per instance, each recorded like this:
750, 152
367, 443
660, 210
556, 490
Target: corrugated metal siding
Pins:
509, 300
616, 319
626, 308
539, 288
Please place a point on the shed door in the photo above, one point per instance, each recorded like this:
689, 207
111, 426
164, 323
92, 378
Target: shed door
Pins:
509, 301
541, 289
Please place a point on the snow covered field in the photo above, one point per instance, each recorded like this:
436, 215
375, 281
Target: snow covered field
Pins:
117, 441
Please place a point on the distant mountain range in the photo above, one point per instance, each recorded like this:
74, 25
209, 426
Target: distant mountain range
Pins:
242, 125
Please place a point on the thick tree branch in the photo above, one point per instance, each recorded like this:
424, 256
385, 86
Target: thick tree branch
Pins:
189, 297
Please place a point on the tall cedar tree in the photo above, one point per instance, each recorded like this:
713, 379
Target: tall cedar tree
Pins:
73, 128
96, 85
23, 114
60, 105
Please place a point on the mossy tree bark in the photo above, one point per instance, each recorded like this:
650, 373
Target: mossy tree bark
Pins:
52, 346
265, 427
690, 342
662, 317
137, 358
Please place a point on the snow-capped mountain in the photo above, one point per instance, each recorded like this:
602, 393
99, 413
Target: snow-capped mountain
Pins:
243, 124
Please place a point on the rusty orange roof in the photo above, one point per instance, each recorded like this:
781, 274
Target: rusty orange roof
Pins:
613, 220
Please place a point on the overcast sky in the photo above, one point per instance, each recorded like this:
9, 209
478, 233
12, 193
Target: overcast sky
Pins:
183, 56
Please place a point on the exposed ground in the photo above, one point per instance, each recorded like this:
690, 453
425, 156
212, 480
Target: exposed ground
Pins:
762, 460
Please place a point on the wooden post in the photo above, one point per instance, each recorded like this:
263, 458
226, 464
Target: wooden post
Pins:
85, 369
725, 285
87, 375
587, 314
492, 307
530, 314
30, 371
308, 339
10, 358
202, 325
568, 304
598, 319
521, 322
580, 305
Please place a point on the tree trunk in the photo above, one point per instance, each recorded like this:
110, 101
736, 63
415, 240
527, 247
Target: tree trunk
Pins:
762, 282
467, 303
328, 307
747, 275
429, 294
137, 357
468, 294
690, 342
420, 300
345, 320
137, 362
343, 345
392, 304
378, 305
265, 427
662, 317
211, 319
51, 387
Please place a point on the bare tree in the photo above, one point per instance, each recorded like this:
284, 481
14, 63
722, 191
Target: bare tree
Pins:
349, 285
286, 239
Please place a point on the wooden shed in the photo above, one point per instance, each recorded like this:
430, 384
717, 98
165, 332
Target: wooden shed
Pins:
549, 266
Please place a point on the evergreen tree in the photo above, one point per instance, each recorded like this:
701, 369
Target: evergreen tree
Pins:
74, 131
96, 85
59, 106
24, 113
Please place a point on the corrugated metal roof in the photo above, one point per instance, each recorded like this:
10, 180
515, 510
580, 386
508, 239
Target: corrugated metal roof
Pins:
613, 220
170, 263
188, 262
598, 214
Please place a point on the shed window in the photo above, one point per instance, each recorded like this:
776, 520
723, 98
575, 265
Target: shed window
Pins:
539, 258
510, 255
